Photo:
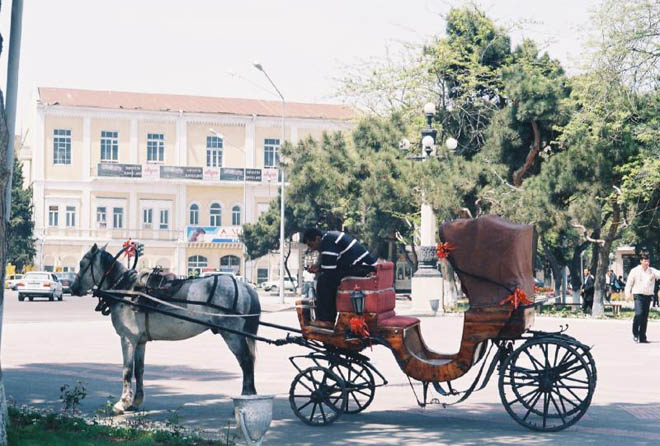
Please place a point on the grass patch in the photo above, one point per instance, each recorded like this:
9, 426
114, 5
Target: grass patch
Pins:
29, 427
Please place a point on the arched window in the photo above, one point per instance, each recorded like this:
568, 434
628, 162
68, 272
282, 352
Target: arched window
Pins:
194, 214
236, 215
230, 264
215, 215
195, 265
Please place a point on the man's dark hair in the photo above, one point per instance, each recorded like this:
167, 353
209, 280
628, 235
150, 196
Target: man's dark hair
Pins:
644, 257
311, 234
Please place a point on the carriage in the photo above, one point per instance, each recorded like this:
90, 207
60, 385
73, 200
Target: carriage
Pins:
546, 380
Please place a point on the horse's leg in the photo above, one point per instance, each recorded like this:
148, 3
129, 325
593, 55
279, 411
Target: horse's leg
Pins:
128, 352
244, 350
138, 398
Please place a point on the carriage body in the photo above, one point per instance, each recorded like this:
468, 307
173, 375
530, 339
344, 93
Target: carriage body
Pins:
494, 261
486, 281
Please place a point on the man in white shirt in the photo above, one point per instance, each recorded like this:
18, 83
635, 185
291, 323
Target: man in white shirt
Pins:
640, 284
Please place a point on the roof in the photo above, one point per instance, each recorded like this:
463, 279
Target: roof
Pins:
192, 104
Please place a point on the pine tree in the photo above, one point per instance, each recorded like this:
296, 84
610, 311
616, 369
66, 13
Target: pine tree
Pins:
20, 243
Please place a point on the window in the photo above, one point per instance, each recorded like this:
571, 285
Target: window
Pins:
194, 214
195, 265
216, 215
271, 152
164, 218
71, 216
117, 217
109, 146
147, 218
155, 147
101, 219
213, 151
236, 215
230, 264
53, 216
262, 275
61, 146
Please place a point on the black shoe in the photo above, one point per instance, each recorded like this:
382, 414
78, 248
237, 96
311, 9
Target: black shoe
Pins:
636, 339
644, 341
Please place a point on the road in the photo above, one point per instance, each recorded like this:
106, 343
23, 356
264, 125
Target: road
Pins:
49, 344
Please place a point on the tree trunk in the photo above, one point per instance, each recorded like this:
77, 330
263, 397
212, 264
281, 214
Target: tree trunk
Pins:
533, 151
575, 267
5, 176
600, 282
554, 265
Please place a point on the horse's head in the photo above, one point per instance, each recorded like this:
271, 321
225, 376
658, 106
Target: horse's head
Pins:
90, 271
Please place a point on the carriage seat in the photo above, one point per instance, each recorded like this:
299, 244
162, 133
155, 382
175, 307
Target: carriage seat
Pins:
379, 293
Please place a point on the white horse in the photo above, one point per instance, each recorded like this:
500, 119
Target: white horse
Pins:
137, 327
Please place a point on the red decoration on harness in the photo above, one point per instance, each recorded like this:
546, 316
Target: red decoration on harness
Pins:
359, 326
518, 297
130, 246
442, 251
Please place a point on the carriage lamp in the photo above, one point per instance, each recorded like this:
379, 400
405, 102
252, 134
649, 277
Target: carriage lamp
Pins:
357, 299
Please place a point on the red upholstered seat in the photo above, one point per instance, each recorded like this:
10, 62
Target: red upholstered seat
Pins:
397, 321
380, 297
383, 279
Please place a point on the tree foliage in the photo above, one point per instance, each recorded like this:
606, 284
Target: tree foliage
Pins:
20, 242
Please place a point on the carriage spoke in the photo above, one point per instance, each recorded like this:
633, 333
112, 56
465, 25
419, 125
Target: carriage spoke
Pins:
546, 401
325, 419
311, 416
559, 412
531, 406
305, 405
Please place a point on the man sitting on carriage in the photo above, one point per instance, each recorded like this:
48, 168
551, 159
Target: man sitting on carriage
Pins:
341, 256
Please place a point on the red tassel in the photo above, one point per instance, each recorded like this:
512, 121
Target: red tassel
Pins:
130, 248
518, 297
359, 327
442, 251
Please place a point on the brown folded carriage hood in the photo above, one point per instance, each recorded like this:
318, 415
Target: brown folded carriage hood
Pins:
491, 256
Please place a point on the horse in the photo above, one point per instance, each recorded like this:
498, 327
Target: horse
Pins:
137, 327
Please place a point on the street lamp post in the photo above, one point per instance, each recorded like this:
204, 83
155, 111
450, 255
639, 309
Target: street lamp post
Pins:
426, 279
244, 216
260, 67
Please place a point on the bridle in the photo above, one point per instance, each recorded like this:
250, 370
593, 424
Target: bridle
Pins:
90, 265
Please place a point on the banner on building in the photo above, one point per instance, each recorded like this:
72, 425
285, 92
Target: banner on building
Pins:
213, 234
181, 172
211, 174
231, 174
270, 175
119, 170
150, 172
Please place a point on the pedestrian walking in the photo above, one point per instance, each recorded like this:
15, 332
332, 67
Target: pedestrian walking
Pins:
587, 291
641, 285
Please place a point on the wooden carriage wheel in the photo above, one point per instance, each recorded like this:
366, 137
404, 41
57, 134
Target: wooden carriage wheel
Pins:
317, 396
360, 385
546, 384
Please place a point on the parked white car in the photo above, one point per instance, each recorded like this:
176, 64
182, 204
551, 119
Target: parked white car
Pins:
39, 284
271, 285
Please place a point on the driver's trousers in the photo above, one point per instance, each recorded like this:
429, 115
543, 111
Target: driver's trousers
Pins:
326, 289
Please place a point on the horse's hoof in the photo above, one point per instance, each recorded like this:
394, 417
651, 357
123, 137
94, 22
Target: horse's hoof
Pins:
118, 408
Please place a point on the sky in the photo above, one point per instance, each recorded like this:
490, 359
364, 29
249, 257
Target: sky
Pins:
208, 47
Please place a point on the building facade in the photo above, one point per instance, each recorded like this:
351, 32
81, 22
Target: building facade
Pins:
181, 174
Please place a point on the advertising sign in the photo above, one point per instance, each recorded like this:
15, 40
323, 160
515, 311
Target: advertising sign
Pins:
181, 172
231, 174
151, 172
119, 170
213, 234
253, 175
270, 175
211, 174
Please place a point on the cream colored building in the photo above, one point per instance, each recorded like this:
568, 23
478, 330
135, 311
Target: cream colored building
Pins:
181, 174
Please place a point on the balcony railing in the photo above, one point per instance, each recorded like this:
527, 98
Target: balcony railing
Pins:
114, 234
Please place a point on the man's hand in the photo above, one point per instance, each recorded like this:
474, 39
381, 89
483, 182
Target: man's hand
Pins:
312, 269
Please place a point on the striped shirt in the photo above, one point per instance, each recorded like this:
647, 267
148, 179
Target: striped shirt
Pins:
341, 251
